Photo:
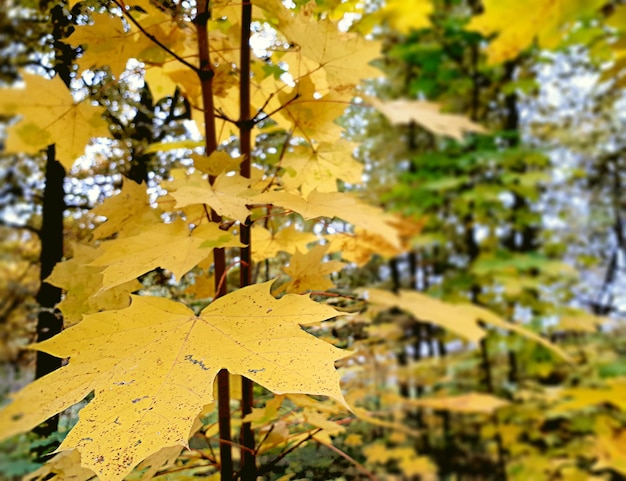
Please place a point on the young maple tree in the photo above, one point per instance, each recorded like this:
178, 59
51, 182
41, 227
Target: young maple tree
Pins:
151, 362
152, 365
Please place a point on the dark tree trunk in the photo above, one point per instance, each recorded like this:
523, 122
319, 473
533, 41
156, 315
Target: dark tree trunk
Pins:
50, 322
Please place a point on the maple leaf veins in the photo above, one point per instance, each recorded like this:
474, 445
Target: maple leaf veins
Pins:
152, 367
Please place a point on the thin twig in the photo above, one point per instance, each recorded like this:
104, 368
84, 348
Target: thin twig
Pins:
282, 455
256, 120
356, 464
225, 273
152, 38
269, 431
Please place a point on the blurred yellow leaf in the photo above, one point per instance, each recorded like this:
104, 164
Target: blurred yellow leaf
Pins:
399, 15
50, 115
520, 22
266, 245
465, 403
336, 204
360, 246
429, 309
427, 115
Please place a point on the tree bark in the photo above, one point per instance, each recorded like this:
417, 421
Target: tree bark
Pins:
50, 322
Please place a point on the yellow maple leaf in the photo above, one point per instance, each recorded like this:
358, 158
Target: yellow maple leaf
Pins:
480, 313
170, 246
228, 196
320, 420
219, 162
50, 115
64, 465
308, 272
310, 115
320, 167
82, 284
266, 245
202, 288
353, 440
266, 415
360, 246
427, 115
320, 47
127, 213
152, 367
336, 204
519, 22
108, 42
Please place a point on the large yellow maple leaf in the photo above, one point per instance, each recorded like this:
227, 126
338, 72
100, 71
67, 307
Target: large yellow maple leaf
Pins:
519, 22
152, 367
50, 115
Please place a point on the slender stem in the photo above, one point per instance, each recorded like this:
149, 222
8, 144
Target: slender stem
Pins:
205, 74
266, 468
356, 464
248, 455
152, 38
267, 434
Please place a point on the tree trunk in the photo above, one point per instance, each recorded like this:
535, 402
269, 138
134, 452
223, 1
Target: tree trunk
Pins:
50, 322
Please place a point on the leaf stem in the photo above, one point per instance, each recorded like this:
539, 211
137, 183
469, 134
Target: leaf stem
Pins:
356, 464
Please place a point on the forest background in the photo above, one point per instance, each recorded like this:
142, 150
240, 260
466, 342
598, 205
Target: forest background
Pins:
363, 240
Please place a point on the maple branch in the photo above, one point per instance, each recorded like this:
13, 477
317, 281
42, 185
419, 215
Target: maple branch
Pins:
246, 124
153, 39
283, 151
228, 268
257, 120
269, 431
356, 464
219, 114
203, 455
